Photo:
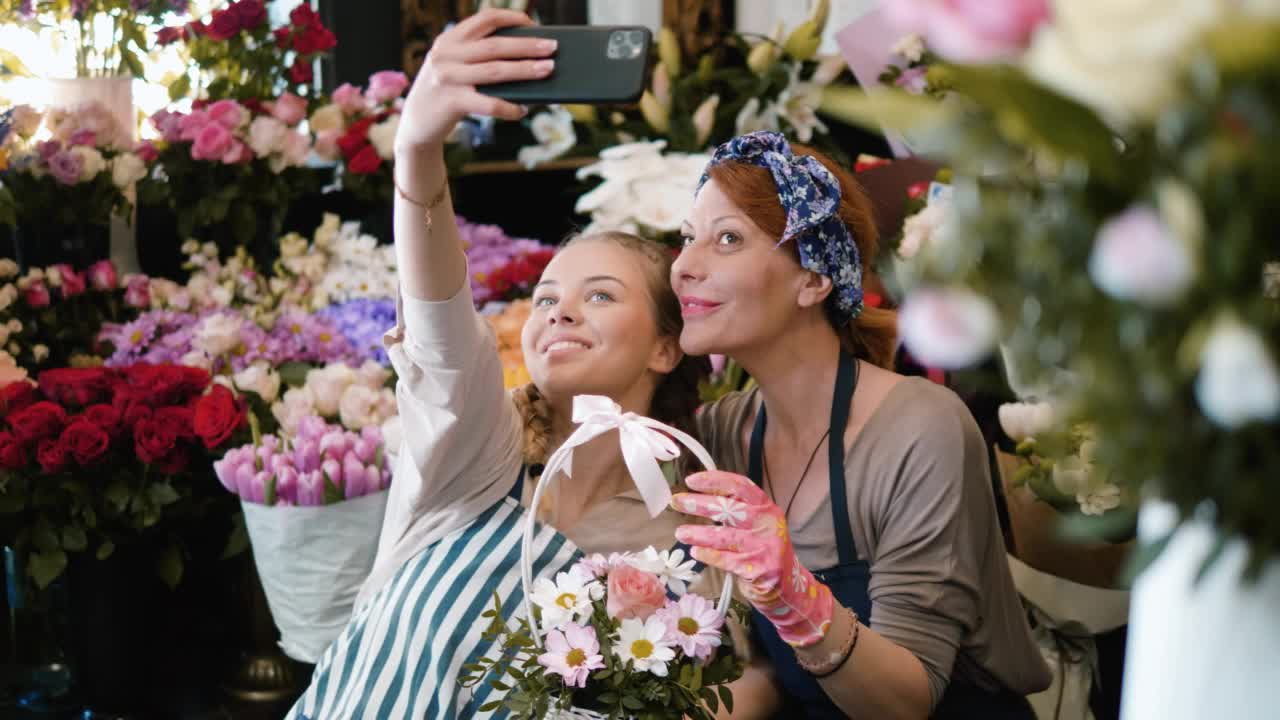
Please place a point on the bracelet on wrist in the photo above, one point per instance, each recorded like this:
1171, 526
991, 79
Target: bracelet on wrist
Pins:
838, 657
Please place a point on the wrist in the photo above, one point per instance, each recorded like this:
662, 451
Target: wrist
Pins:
833, 650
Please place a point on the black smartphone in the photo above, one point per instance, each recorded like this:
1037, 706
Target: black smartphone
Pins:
594, 64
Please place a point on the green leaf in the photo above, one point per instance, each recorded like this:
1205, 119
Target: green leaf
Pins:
726, 697
105, 550
696, 682
269, 493
238, 540
162, 493
332, 494
489, 706
499, 685
117, 494
294, 374
180, 88
45, 567
73, 539
129, 60
170, 566
632, 703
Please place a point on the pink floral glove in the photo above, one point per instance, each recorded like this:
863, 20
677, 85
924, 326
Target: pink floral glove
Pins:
752, 543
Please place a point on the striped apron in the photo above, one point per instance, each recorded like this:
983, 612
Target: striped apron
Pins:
403, 651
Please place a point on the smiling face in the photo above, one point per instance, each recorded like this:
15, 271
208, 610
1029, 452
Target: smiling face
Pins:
593, 328
737, 287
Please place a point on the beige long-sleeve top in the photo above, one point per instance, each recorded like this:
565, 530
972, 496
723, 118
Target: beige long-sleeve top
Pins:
924, 517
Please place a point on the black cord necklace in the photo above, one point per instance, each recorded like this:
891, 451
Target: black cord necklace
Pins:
764, 462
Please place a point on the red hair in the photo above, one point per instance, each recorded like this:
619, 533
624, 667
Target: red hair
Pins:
872, 336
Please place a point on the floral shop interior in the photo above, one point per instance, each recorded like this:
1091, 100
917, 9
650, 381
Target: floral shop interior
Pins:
290, 290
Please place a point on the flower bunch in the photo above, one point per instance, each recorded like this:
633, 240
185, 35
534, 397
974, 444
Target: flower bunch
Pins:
358, 129
624, 637
97, 455
239, 56
364, 321
358, 398
50, 317
320, 465
339, 264
502, 267
78, 174
644, 191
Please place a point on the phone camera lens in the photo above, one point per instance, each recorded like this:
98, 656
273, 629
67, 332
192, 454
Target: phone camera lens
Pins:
636, 37
616, 39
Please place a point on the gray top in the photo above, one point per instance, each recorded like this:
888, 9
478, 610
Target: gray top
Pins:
924, 516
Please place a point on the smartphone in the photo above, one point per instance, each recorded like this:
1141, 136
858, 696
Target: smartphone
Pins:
594, 64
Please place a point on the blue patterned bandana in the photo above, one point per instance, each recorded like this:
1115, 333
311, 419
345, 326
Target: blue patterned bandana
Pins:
810, 194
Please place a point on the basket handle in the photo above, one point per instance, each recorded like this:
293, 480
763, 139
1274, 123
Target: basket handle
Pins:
645, 442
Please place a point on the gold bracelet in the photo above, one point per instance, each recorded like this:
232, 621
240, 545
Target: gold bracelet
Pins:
837, 658
426, 207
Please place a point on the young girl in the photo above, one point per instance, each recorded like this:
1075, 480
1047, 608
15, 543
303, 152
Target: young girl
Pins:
604, 322
877, 567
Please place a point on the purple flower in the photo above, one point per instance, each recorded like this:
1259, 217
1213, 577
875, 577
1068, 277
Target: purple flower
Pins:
489, 249
310, 488
66, 167
287, 486
362, 322
353, 474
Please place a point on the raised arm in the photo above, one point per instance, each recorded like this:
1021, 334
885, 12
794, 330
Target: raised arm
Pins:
431, 262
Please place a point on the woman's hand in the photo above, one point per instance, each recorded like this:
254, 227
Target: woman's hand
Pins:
461, 58
754, 545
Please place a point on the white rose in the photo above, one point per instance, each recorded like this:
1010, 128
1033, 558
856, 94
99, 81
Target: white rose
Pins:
266, 135
948, 328
296, 404
14, 325
127, 169
328, 117
198, 359
1026, 420
327, 384
8, 268
1137, 257
40, 351
93, 161
218, 334
296, 148
372, 375
1239, 382
362, 407
8, 294
383, 136
260, 378
53, 277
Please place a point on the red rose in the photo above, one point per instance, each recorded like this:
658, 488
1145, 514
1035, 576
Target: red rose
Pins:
300, 72
282, 37
252, 13
13, 456
365, 162
170, 35
175, 462
166, 384
355, 138
87, 442
76, 387
217, 416
52, 455
104, 416
133, 413
178, 418
303, 15
17, 395
197, 28
153, 439
36, 422
313, 39
225, 24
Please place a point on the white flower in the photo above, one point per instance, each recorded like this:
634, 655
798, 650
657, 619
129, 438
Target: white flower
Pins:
567, 599
948, 328
93, 161
328, 117
362, 406
260, 378
669, 565
127, 169
750, 118
661, 206
14, 325
554, 132
1239, 382
704, 117
198, 359
8, 294
829, 68
296, 404
218, 334
372, 375
798, 105
641, 187
10, 371
327, 384
645, 644
1099, 500
921, 229
8, 268
1074, 474
26, 120
266, 135
728, 511
1136, 257
1026, 420
383, 136
40, 352
693, 624
909, 47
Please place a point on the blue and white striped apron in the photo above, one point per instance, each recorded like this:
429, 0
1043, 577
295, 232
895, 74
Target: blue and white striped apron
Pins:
403, 651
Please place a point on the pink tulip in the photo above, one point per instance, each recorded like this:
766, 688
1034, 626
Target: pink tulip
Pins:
353, 475
386, 85
365, 450
102, 275
332, 469
312, 427
310, 488
289, 109
258, 487
244, 480
306, 455
970, 30
287, 486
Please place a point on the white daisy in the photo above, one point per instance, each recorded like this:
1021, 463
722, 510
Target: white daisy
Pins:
693, 624
566, 600
670, 567
645, 644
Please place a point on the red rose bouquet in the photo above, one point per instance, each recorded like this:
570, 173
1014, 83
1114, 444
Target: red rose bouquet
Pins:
357, 128
96, 457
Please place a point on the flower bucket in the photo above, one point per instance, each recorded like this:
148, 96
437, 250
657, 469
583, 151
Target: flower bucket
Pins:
312, 561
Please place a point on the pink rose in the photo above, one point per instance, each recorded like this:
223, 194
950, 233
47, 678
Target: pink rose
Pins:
66, 167
289, 109
137, 292
386, 85
73, 283
296, 148
213, 142
228, 113
147, 152
349, 98
239, 152
970, 30
327, 144
83, 137
102, 275
189, 126
37, 295
634, 593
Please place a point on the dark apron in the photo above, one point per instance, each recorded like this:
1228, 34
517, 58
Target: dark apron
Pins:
849, 582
